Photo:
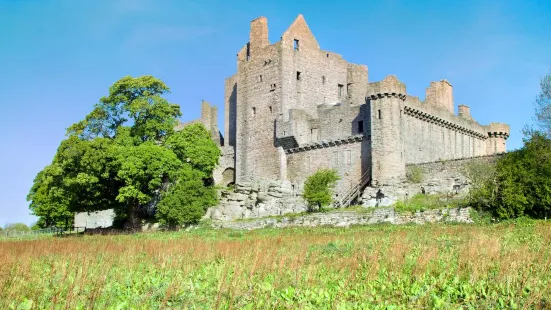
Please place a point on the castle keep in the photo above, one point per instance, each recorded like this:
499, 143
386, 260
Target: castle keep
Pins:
292, 108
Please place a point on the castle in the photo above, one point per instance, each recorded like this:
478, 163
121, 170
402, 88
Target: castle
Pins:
292, 108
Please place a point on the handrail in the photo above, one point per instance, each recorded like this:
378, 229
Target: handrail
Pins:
348, 196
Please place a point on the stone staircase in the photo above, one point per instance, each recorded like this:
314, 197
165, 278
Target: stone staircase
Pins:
347, 197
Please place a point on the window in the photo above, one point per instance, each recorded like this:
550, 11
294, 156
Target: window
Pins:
327, 55
270, 109
340, 89
335, 160
379, 114
254, 111
248, 51
260, 78
296, 45
298, 75
360, 126
323, 79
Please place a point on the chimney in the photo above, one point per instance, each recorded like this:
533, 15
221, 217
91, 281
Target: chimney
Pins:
258, 37
464, 111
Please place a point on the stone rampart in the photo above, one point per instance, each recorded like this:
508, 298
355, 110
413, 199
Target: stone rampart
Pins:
348, 218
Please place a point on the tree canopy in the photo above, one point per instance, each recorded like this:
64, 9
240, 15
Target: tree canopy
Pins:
123, 156
17, 227
520, 182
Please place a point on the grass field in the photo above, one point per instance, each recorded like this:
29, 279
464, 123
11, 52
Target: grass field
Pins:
505, 265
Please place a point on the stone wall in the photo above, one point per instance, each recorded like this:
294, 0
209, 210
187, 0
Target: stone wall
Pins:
347, 218
440, 177
432, 133
95, 219
344, 155
257, 199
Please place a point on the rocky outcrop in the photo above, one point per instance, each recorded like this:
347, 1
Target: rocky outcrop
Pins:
347, 218
255, 200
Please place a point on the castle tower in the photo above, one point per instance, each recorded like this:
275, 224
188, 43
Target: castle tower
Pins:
498, 134
257, 86
387, 130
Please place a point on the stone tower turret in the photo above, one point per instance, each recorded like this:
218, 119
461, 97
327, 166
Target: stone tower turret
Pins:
497, 133
387, 130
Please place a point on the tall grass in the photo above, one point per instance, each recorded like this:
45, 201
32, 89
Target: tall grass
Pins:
456, 266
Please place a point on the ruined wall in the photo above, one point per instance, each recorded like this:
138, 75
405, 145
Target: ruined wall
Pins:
342, 121
334, 122
311, 76
432, 133
258, 97
349, 157
345, 219
230, 109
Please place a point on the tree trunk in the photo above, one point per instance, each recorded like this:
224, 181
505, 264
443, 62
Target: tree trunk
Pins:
133, 220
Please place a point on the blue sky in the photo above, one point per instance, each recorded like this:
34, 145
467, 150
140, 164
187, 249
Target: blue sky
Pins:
58, 57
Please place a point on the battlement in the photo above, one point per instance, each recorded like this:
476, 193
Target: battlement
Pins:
389, 86
499, 130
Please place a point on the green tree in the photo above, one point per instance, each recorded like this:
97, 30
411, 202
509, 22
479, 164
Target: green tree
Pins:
523, 180
119, 157
17, 227
543, 109
318, 188
482, 177
194, 145
186, 201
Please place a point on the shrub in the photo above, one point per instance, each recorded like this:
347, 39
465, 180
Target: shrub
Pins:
415, 174
17, 227
318, 188
186, 202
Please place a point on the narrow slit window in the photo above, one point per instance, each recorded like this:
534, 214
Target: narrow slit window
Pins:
379, 114
298, 75
270, 109
296, 45
323, 79
248, 51
254, 111
260, 78
360, 126
340, 89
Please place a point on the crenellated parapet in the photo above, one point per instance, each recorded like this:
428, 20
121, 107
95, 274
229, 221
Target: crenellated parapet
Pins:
389, 87
433, 119
498, 130
497, 135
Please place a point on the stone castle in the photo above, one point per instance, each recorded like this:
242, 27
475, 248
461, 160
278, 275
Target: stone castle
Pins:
292, 109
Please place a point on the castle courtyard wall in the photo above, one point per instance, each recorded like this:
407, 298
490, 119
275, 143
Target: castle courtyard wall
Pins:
432, 133
349, 157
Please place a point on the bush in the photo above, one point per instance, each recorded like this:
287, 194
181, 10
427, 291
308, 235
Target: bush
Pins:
520, 183
482, 179
415, 174
17, 227
318, 188
187, 201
